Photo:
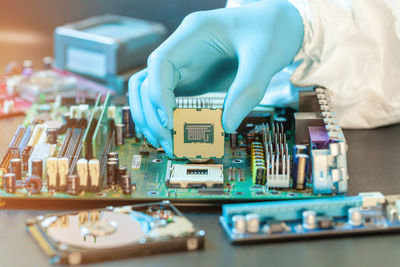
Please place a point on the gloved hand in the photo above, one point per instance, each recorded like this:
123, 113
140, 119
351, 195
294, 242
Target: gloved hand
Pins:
237, 48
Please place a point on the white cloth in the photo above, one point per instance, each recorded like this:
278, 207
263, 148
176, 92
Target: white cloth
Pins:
352, 48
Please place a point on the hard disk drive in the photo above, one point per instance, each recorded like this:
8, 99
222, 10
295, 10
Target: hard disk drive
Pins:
114, 233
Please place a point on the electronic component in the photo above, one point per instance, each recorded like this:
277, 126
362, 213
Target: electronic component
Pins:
83, 174
94, 173
62, 167
51, 166
196, 176
198, 133
277, 156
95, 235
37, 167
125, 184
9, 182
136, 161
119, 134
33, 184
52, 136
16, 168
112, 172
258, 167
106, 47
330, 217
73, 184
127, 121
300, 171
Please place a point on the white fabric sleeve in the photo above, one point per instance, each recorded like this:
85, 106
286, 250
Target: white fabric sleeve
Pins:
352, 48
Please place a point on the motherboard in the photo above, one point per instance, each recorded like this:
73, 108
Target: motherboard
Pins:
88, 151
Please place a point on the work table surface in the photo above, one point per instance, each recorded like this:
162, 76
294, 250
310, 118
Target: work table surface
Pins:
374, 165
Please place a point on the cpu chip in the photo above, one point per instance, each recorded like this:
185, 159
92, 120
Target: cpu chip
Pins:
198, 133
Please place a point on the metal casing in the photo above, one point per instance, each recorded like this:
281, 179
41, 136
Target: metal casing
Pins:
105, 46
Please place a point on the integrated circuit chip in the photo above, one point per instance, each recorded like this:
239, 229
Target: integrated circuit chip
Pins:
196, 176
198, 133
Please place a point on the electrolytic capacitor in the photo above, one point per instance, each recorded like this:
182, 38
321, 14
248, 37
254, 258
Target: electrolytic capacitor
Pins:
73, 184
37, 167
52, 136
354, 216
10, 185
234, 140
239, 224
16, 168
125, 184
112, 169
300, 171
112, 155
309, 219
252, 223
122, 170
128, 122
119, 134
299, 149
114, 160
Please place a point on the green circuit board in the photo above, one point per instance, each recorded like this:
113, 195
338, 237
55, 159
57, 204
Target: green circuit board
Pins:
150, 171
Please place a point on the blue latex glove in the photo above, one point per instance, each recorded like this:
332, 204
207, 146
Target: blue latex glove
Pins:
237, 48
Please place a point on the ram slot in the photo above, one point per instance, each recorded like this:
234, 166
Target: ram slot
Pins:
66, 143
101, 132
87, 148
76, 152
107, 148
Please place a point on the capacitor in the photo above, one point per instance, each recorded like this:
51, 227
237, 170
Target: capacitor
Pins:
37, 167
16, 168
114, 160
128, 122
34, 184
125, 184
73, 184
234, 140
252, 223
354, 216
10, 184
112, 155
122, 170
112, 169
52, 136
309, 219
119, 134
299, 149
239, 224
300, 171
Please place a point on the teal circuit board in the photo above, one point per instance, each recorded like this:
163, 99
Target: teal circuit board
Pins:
149, 168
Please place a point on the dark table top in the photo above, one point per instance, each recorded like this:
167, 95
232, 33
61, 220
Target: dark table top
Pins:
374, 165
